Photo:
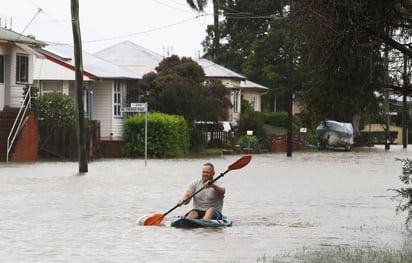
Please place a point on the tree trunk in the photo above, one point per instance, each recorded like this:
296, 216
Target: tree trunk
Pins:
405, 123
81, 132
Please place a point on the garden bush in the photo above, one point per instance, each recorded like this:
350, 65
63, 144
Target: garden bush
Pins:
56, 109
167, 135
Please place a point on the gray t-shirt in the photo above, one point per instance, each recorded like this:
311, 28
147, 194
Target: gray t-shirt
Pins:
206, 198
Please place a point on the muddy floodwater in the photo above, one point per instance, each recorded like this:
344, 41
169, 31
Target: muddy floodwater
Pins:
278, 204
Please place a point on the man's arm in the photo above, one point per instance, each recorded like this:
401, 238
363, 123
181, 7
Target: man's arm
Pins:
185, 199
220, 190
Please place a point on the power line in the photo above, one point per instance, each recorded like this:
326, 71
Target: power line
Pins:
144, 32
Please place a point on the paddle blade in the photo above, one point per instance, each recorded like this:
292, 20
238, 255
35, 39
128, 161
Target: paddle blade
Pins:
242, 162
154, 220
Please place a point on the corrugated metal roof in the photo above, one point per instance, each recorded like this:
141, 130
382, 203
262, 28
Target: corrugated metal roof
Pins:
127, 53
247, 84
9, 35
91, 64
213, 70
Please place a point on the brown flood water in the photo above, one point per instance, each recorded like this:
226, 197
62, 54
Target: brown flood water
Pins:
279, 205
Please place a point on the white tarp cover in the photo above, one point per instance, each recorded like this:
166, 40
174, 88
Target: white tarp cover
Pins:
340, 127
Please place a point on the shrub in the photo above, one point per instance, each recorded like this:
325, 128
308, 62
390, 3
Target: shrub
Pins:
56, 109
404, 194
167, 135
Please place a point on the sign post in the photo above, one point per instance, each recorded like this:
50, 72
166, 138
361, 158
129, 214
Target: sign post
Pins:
140, 107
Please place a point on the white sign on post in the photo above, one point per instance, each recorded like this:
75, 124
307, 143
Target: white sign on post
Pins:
140, 107
136, 107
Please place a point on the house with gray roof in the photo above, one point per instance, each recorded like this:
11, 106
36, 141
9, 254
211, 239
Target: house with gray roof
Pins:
131, 56
230, 80
105, 85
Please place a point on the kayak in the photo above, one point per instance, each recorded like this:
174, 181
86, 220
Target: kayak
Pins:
183, 222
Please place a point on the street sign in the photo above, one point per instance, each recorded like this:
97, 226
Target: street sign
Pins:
135, 107
140, 107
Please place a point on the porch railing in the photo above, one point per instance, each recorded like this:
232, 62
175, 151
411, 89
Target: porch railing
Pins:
18, 122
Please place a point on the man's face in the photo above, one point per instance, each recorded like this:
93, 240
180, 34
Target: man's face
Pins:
207, 173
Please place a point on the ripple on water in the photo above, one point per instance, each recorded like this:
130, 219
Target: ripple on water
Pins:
278, 204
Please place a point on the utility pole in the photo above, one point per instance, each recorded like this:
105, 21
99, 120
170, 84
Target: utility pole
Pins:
81, 131
405, 93
291, 54
216, 30
386, 98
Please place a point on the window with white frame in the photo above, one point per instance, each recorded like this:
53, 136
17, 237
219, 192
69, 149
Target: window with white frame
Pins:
254, 102
1, 69
49, 86
22, 68
117, 99
235, 101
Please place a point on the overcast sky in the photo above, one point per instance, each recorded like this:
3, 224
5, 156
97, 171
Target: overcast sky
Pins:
158, 25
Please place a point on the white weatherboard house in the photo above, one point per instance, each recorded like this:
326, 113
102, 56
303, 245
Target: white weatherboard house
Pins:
18, 124
16, 66
131, 56
109, 73
105, 85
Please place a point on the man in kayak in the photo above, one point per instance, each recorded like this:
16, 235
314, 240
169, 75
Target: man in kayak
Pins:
207, 204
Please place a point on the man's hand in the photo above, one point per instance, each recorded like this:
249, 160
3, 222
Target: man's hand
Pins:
183, 202
208, 184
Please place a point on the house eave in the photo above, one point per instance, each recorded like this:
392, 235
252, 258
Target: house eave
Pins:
60, 62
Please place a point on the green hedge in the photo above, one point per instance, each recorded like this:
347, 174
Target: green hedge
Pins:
167, 135
378, 137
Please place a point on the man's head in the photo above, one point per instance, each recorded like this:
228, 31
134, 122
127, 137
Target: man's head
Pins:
208, 171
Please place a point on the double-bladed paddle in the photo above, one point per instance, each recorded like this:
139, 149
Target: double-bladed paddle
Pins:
156, 219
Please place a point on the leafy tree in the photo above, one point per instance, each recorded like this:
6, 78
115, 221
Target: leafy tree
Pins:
179, 87
252, 41
57, 109
336, 47
342, 45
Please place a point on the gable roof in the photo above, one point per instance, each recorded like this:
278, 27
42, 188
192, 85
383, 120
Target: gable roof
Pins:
137, 58
129, 53
131, 56
7, 35
93, 66
213, 70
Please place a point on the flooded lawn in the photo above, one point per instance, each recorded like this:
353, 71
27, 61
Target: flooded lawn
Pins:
48, 213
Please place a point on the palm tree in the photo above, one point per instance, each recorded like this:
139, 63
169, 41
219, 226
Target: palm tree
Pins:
199, 5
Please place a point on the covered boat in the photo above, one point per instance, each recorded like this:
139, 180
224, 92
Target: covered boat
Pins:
183, 222
333, 134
